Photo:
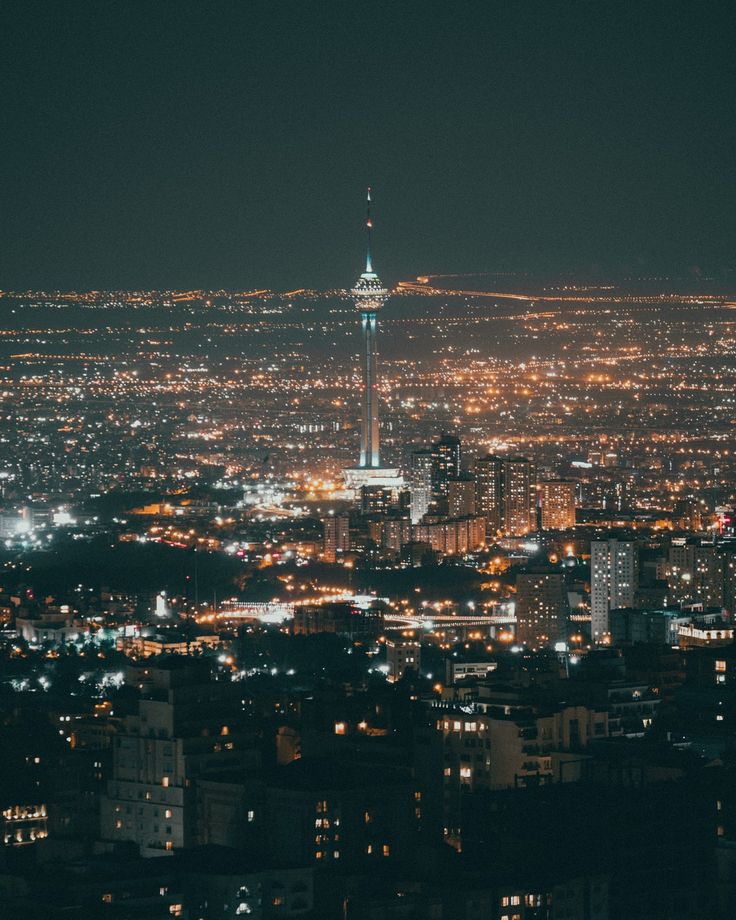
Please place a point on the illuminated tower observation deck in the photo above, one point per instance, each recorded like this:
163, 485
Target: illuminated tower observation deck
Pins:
369, 296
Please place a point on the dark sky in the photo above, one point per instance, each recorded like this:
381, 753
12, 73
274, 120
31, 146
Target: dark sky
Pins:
227, 144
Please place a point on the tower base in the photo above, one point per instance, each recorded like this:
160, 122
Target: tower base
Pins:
384, 477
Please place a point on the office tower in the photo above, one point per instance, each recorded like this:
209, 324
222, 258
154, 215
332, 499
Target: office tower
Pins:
519, 511
337, 536
489, 490
613, 581
420, 483
446, 457
558, 504
541, 608
461, 496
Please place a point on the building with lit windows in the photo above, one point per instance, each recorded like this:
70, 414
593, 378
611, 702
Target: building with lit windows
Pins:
185, 727
505, 494
557, 499
402, 655
420, 484
489, 490
613, 581
336, 536
541, 608
446, 465
332, 813
461, 496
519, 493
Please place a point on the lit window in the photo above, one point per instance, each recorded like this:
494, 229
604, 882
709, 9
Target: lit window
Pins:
340, 728
165, 781
169, 845
720, 665
386, 850
168, 813
278, 901
251, 816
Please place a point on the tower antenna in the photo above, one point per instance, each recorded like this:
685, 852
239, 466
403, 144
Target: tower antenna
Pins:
368, 228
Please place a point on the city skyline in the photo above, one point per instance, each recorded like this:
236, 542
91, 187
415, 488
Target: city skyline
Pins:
367, 576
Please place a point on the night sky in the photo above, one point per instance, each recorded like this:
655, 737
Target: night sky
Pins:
227, 144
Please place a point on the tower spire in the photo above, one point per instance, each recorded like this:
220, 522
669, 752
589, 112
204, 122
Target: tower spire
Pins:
368, 228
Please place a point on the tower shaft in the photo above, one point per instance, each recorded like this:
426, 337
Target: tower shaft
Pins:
369, 437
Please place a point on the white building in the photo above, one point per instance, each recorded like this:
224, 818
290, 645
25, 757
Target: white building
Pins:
613, 581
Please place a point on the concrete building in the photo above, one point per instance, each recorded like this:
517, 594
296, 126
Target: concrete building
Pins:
336, 536
461, 496
185, 727
613, 581
330, 813
519, 493
489, 491
402, 655
420, 478
343, 619
541, 608
557, 498
452, 536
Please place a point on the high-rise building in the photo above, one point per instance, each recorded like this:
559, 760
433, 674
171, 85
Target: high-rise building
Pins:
446, 458
505, 494
613, 581
489, 490
370, 295
519, 513
421, 484
336, 536
541, 608
461, 496
558, 504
